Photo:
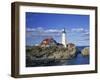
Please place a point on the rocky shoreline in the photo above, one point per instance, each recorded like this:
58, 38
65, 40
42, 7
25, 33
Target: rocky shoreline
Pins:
40, 56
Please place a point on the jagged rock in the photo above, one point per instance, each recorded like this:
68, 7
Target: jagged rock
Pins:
48, 55
49, 51
71, 49
85, 51
60, 53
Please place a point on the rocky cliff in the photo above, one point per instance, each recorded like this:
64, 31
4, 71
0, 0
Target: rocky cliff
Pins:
38, 55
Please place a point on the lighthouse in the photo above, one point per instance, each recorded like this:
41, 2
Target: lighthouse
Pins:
64, 37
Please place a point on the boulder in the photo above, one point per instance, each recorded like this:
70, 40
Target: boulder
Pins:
60, 53
71, 49
85, 51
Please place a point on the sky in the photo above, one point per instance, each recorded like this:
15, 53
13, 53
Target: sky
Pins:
43, 25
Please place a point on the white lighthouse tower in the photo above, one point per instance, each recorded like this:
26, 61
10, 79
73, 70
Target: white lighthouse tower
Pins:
64, 37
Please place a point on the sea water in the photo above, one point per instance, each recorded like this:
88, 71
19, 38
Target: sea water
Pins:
79, 59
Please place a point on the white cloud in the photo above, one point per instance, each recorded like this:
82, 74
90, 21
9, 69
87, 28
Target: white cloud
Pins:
46, 34
40, 29
53, 30
77, 29
82, 32
30, 29
86, 33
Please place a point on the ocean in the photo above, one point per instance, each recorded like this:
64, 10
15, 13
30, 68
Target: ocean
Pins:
79, 59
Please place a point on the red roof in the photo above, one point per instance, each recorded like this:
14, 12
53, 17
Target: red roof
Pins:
47, 41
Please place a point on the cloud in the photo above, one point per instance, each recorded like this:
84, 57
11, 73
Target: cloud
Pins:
84, 39
30, 29
77, 29
53, 30
86, 33
77, 33
39, 31
80, 32
45, 35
